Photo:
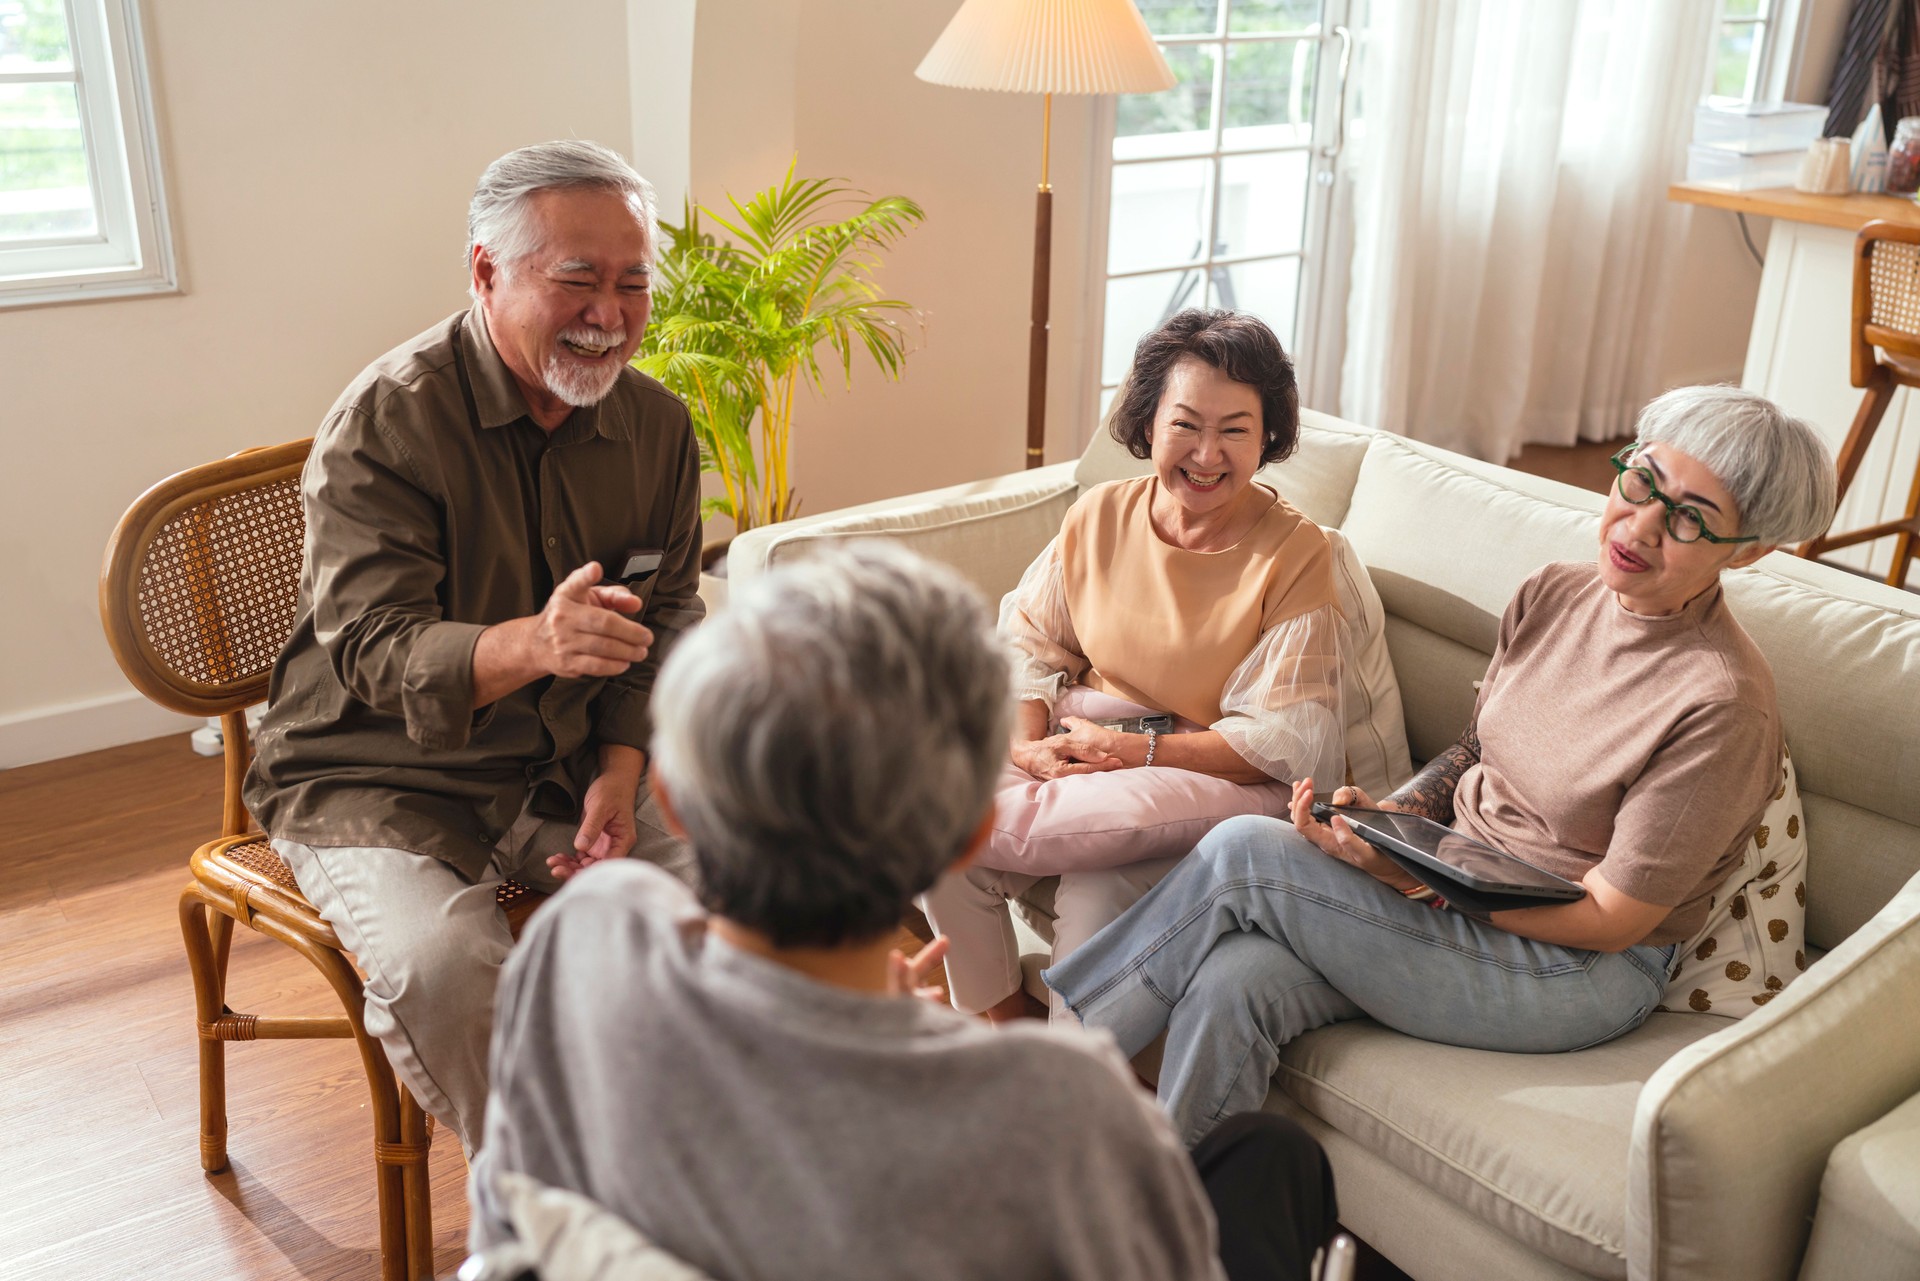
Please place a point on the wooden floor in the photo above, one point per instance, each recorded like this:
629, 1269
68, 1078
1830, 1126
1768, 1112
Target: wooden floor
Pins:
101, 1175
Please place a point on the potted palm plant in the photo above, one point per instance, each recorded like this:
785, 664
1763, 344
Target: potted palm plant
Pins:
739, 323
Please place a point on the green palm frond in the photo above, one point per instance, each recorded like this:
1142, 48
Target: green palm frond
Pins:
739, 322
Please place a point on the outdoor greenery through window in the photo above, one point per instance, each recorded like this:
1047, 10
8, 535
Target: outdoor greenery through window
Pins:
80, 210
1743, 46
1210, 180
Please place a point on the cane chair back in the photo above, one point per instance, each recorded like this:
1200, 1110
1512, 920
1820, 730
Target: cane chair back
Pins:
1885, 356
198, 595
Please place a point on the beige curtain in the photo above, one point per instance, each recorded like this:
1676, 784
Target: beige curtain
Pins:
1513, 245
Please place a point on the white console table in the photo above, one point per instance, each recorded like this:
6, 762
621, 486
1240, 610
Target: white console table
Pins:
1798, 354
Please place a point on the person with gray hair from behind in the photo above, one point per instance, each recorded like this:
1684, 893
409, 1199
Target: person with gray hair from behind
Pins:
1627, 738
742, 1073
502, 544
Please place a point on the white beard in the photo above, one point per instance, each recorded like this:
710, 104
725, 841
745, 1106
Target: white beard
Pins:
577, 383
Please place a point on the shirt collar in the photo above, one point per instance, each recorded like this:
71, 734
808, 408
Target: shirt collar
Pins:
499, 400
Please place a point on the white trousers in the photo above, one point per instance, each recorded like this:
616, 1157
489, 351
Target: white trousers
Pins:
970, 908
431, 943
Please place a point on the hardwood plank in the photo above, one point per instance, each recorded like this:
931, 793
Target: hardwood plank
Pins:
97, 1046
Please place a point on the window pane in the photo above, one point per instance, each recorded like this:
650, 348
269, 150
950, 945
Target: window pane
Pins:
44, 189
1181, 17
1268, 290
33, 36
1732, 57
1263, 204
1177, 122
1269, 94
1273, 15
1136, 304
1159, 214
1741, 9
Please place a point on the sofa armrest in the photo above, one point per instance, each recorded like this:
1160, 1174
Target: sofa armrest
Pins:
1732, 1134
989, 530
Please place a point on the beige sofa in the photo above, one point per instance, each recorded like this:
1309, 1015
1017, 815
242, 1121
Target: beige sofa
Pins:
1696, 1147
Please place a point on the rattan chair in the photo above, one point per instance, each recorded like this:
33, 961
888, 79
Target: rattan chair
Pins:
197, 596
1886, 356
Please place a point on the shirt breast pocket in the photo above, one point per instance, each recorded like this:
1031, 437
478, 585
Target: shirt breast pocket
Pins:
637, 569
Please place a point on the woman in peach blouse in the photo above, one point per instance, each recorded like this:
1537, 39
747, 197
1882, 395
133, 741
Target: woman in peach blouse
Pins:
1178, 653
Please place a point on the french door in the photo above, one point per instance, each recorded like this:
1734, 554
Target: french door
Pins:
1221, 190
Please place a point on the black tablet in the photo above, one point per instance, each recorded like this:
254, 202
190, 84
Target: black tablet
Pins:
1460, 869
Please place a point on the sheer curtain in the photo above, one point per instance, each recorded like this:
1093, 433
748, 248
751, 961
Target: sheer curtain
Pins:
1513, 244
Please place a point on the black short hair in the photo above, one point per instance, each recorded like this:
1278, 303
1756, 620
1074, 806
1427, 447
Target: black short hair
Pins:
1239, 346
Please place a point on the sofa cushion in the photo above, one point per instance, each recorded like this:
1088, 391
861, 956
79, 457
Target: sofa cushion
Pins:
1868, 1224
1535, 1144
1376, 729
1754, 940
1448, 540
1318, 478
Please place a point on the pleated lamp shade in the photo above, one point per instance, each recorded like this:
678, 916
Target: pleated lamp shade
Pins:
1047, 46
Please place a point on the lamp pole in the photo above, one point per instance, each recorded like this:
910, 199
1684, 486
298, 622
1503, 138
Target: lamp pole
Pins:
1042, 282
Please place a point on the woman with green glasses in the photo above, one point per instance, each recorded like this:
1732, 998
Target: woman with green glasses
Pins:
1626, 737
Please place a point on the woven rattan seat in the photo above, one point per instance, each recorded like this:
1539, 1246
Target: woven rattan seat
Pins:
197, 596
1885, 357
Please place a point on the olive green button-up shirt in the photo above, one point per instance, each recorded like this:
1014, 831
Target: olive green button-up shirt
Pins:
427, 522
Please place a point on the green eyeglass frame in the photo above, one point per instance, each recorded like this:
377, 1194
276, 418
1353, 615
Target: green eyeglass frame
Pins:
1623, 466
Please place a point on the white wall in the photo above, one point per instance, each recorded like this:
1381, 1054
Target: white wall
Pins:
319, 160
827, 79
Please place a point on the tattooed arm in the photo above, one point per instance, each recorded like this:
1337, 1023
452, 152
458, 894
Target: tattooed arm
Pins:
1430, 792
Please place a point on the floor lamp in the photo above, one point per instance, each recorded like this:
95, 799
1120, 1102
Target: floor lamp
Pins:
1046, 47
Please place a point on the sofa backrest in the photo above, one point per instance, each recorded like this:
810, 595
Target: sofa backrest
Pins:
1448, 539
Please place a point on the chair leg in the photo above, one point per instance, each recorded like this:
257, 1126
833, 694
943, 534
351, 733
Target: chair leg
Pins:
203, 964
391, 1151
416, 1132
222, 931
1873, 407
1903, 547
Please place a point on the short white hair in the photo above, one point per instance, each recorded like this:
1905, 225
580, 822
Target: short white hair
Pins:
500, 215
832, 739
1777, 468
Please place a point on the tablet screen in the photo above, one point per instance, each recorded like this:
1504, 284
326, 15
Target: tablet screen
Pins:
1478, 865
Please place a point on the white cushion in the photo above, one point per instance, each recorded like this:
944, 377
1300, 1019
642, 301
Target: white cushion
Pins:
1754, 940
1377, 759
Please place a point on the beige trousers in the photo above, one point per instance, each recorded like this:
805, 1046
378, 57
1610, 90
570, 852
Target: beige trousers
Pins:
970, 907
431, 943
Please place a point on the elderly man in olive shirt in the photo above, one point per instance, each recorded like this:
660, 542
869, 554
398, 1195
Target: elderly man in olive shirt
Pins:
502, 543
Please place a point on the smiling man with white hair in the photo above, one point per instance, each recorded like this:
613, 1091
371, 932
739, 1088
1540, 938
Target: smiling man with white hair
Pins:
502, 543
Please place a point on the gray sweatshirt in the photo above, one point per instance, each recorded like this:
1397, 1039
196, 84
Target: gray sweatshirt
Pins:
759, 1124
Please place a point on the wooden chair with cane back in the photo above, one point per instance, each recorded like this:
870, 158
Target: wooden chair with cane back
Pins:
197, 595
1885, 356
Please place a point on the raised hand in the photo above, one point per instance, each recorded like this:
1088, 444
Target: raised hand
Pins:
585, 629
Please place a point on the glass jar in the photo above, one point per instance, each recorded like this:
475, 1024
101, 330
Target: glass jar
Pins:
1903, 158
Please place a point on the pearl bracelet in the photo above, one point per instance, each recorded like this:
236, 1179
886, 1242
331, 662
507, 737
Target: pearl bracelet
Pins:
1153, 741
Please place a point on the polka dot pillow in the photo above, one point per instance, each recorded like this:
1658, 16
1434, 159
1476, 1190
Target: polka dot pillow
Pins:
1754, 941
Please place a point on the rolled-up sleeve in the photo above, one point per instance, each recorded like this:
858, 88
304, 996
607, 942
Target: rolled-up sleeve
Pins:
376, 565
623, 710
1034, 621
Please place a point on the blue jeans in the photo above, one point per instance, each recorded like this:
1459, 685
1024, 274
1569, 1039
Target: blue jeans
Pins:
1257, 936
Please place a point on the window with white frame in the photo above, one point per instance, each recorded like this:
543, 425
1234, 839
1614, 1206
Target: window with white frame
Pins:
1749, 58
81, 208
1217, 187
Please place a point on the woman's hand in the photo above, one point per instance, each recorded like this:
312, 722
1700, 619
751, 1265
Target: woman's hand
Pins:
1338, 840
1083, 749
909, 975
